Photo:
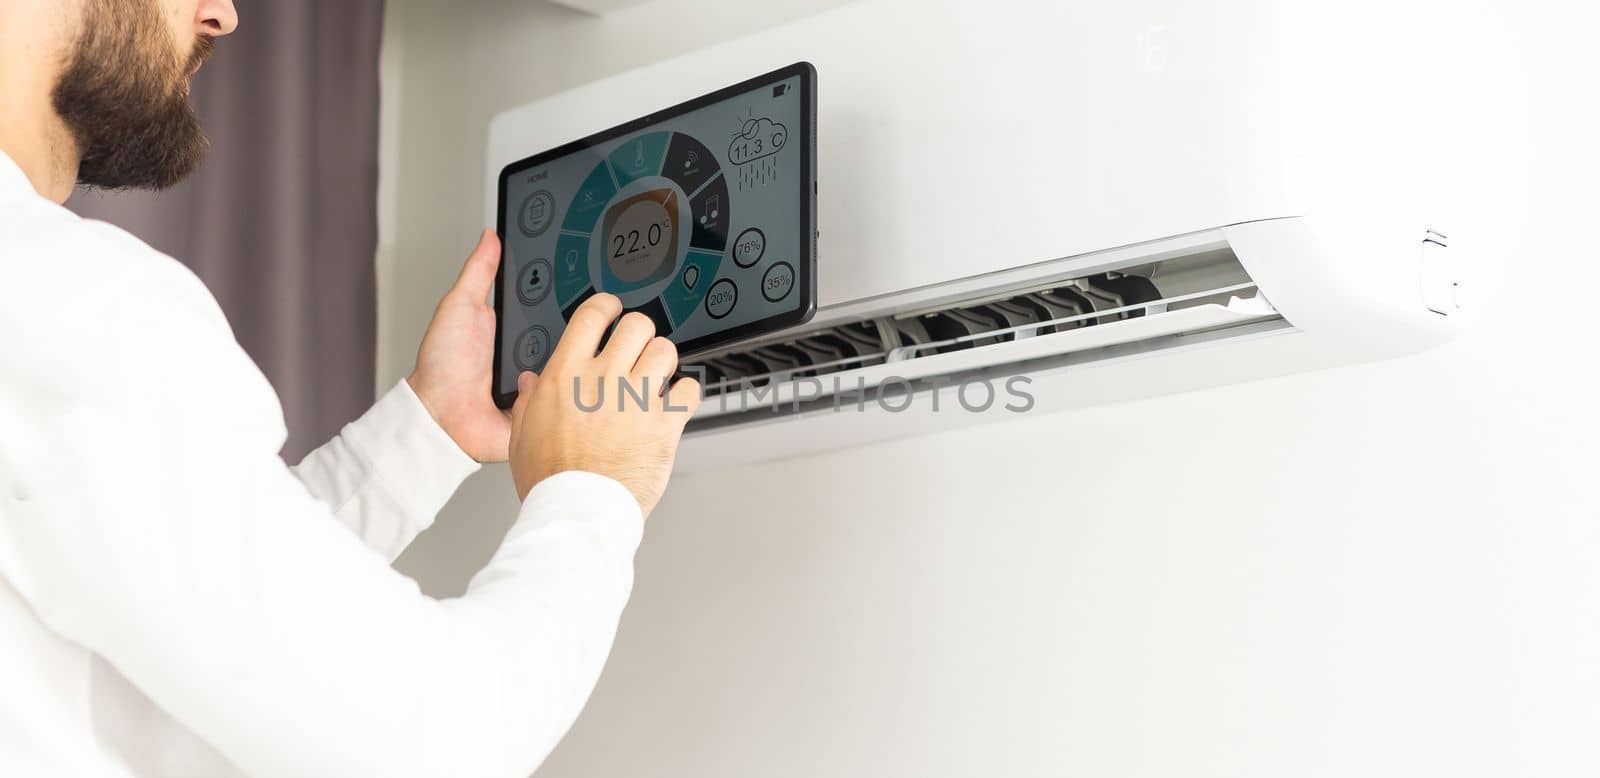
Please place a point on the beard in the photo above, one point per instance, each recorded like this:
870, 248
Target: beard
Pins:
124, 98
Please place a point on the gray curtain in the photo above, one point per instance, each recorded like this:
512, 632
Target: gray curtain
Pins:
281, 219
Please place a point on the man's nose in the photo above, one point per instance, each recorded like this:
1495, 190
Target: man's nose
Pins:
216, 18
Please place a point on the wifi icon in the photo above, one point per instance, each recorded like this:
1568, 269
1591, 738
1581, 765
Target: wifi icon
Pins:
691, 160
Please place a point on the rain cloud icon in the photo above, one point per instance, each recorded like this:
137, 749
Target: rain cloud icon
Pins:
757, 139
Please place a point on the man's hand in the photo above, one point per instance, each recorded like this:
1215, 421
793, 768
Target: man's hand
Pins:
455, 366
578, 416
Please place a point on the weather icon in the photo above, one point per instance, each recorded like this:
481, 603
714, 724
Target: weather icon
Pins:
753, 148
758, 138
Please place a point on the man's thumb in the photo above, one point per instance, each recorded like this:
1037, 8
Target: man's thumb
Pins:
526, 382
477, 276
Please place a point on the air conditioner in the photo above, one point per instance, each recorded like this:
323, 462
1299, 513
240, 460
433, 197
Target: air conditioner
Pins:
1072, 202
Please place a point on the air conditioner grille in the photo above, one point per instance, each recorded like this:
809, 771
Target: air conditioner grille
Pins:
1061, 306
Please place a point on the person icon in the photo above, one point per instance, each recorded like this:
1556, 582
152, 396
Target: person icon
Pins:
535, 284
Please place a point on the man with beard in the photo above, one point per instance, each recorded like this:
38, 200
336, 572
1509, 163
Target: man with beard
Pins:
174, 598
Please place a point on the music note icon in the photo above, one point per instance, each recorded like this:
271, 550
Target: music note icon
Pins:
713, 209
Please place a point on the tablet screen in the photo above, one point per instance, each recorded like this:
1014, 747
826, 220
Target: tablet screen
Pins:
699, 216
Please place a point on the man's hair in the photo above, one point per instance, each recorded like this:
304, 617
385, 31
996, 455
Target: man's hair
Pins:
123, 95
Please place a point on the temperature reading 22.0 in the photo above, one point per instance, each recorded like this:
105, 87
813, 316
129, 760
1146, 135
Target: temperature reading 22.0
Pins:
641, 240
629, 243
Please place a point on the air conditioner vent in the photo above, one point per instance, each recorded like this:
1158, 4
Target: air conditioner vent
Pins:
1209, 288
845, 347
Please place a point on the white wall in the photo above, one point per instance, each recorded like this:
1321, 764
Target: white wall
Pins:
1392, 569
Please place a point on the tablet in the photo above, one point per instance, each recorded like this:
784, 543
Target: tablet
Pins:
700, 216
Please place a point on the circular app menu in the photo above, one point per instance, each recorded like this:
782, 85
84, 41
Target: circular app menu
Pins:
674, 187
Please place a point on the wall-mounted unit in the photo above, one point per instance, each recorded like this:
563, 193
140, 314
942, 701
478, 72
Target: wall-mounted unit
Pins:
598, 7
1109, 200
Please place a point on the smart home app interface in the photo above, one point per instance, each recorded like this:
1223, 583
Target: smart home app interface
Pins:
694, 221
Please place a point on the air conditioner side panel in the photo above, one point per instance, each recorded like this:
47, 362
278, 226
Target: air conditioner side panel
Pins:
1356, 286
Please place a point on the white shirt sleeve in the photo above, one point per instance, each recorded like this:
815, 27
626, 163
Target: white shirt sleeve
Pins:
387, 474
145, 515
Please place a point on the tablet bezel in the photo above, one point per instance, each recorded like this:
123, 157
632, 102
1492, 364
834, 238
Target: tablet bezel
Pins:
806, 254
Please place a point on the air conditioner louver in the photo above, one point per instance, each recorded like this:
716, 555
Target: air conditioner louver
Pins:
1044, 315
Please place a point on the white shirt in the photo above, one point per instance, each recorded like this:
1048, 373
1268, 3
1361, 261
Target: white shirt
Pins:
177, 601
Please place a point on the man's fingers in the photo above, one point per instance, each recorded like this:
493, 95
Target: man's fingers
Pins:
477, 275
584, 331
525, 386
627, 340
684, 399
657, 363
